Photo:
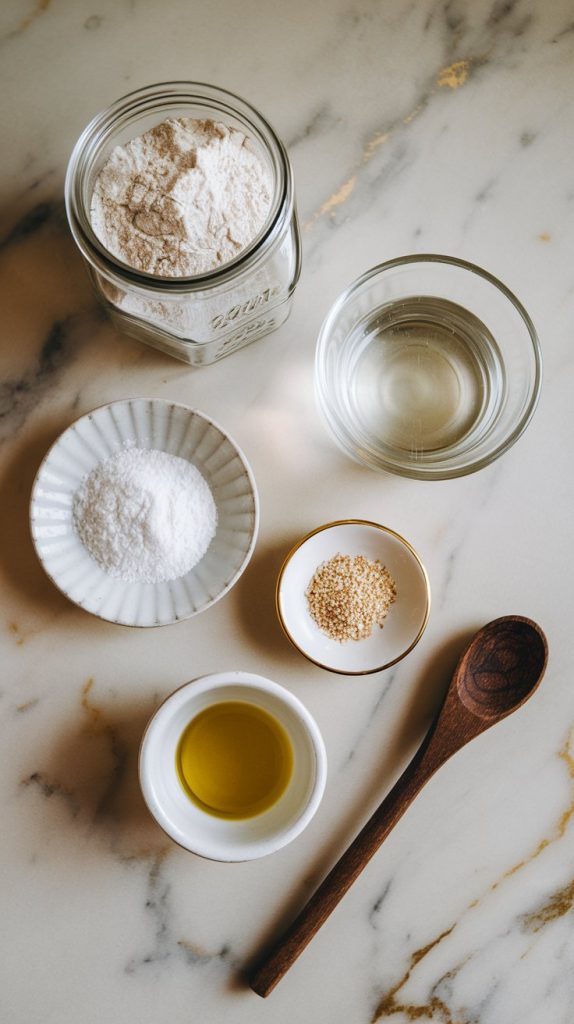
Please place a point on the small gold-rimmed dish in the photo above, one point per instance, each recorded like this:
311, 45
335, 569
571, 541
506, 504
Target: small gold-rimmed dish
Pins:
407, 616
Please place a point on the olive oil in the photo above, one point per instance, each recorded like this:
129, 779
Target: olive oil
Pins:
234, 760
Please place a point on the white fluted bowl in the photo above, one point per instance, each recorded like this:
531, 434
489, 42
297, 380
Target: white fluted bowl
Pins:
167, 427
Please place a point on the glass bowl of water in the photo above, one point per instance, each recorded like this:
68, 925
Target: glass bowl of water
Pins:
428, 367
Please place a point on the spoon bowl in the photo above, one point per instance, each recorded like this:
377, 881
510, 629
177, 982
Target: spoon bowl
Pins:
501, 667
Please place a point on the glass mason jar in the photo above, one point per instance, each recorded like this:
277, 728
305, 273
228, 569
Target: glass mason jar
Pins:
202, 318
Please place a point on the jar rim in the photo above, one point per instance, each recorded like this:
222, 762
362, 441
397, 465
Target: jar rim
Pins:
101, 128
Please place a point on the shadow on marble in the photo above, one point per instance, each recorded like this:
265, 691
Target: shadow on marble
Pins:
18, 560
255, 599
88, 776
426, 695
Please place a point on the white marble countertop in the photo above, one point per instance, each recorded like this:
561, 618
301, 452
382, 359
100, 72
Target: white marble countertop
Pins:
429, 126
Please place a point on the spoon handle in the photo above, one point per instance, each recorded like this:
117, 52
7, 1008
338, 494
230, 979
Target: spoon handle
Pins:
498, 671
341, 877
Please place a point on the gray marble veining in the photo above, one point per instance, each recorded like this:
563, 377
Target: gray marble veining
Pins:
437, 125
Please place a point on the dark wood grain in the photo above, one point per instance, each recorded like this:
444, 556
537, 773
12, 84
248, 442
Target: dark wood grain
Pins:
496, 674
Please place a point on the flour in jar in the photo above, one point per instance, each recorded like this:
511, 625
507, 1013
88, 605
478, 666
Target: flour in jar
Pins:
182, 199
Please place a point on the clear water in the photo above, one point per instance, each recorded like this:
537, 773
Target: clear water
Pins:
424, 375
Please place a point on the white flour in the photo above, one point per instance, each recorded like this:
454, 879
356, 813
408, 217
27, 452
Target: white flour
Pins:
182, 199
145, 516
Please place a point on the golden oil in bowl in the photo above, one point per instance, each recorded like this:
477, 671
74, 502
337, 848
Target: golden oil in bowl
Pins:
234, 760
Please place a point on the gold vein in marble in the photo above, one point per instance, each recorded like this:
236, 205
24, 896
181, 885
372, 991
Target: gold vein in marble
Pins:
562, 824
28, 704
339, 197
435, 1010
559, 904
454, 75
40, 8
345, 190
197, 954
14, 630
330, 204
94, 713
415, 113
99, 725
373, 145
389, 1005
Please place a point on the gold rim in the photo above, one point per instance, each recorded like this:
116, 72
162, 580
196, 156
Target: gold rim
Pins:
383, 529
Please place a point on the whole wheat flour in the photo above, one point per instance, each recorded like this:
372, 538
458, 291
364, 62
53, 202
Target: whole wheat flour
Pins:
182, 199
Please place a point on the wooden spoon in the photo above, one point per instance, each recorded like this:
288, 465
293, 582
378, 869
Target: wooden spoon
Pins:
499, 670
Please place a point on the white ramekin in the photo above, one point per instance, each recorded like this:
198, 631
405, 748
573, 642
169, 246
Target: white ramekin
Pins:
220, 838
